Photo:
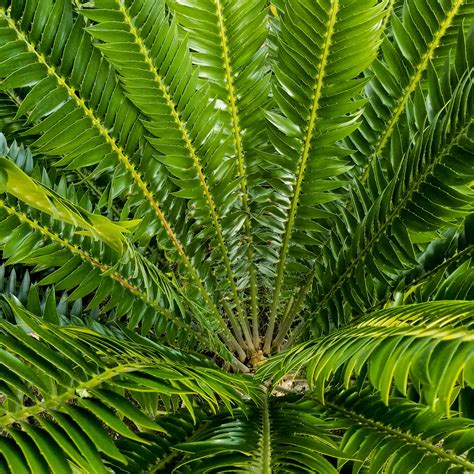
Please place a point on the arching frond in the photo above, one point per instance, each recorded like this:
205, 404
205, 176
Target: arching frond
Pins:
403, 437
159, 453
429, 346
179, 178
73, 381
280, 436
17, 183
180, 120
83, 267
228, 43
428, 192
423, 33
95, 118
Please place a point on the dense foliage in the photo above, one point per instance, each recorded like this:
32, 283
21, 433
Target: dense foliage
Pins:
236, 236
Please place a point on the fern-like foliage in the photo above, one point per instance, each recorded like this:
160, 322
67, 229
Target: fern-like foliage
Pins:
401, 437
236, 236
45, 368
390, 348
424, 192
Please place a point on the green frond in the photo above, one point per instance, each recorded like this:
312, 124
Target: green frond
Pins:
159, 453
228, 43
316, 80
101, 125
427, 346
180, 119
457, 285
87, 122
18, 125
83, 268
8, 125
450, 281
73, 381
283, 435
153, 300
19, 283
423, 33
57, 88
441, 259
236, 236
49, 305
403, 437
428, 192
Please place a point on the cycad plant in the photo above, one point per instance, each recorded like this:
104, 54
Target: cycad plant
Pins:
236, 236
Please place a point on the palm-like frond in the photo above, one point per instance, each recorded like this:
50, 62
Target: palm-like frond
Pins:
316, 73
191, 186
426, 346
403, 437
227, 40
283, 435
444, 284
428, 191
19, 184
180, 119
107, 125
83, 267
423, 34
81, 380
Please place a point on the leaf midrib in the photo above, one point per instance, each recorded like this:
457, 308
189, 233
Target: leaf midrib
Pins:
300, 171
407, 196
411, 439
265, 438
65, 397
102, 130
242, 167
197, 165
415, 79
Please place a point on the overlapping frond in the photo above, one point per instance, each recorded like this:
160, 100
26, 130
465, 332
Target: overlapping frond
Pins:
77, 106
427, 192
106, 128
131, 287
227, 40
316, 81
139, 40
429, 346
17, 183
73, 382
88, 120
403, 437
441, 260
159, 454
453, 279
422, 35
198, 173
58, 65
18, 283
49, 214
8, 108
455, 286
283, 435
